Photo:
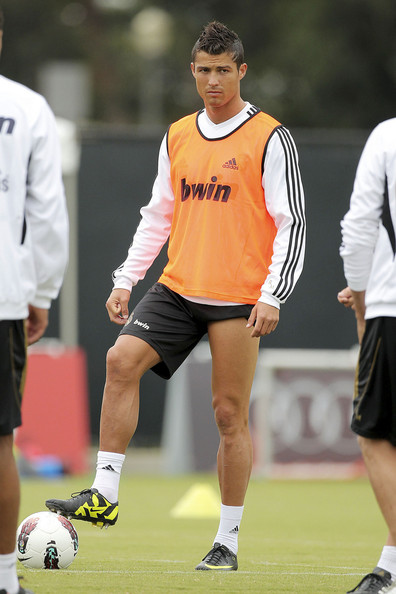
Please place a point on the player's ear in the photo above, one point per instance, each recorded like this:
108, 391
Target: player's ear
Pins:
192, 66
242, 70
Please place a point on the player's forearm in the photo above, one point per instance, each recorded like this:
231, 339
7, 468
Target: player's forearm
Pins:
359, 303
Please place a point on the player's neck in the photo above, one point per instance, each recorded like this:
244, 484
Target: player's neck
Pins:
221, 114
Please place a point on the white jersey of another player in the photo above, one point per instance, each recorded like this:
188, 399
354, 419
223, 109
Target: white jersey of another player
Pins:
33, 215
368, 229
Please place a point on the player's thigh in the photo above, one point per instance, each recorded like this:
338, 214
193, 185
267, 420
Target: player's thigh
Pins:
131, 355
234, 358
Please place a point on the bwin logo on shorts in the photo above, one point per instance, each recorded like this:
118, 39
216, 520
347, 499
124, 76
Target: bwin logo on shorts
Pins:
142, 324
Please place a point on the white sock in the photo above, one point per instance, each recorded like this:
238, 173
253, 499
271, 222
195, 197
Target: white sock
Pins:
230, 520
108, 474
388, 560
8, 576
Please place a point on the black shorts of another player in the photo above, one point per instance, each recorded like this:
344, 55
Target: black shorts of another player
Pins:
374, 405
173, 326
12, 373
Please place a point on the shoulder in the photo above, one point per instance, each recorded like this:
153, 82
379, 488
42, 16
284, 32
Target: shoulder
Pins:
381, 140
176, 131
21, 96
187, 120
387, 125
264, 119
17, 89
264, 124
384, 131
267, 120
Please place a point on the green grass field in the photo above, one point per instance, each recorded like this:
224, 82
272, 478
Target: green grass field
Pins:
296, 536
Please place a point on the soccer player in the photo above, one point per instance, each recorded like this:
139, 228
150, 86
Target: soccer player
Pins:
368, 250
33, 256
228, 194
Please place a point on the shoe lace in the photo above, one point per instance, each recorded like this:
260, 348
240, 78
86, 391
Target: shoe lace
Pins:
214, 556
83, 492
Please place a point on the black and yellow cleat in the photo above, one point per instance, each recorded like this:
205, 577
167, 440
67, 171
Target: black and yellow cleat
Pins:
87, 505
219, 558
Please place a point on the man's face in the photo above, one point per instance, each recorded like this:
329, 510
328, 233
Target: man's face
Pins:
217, 78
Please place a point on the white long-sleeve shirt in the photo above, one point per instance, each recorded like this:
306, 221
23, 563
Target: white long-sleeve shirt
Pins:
368, 244
284, 198
33, 215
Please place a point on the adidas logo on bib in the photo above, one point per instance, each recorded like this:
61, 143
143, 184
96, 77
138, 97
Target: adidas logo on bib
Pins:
231, 164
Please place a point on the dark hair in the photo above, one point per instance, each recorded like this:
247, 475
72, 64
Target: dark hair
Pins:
1, 19
216, 39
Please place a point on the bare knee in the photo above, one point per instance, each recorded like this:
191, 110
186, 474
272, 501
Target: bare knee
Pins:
121, 366
230, 416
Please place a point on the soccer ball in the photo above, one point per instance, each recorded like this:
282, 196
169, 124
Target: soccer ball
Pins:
46, 541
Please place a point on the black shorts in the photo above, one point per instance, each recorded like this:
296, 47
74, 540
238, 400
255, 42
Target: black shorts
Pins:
374, 405
12, 373
173, 326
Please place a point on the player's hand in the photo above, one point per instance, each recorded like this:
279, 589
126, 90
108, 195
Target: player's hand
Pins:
264, 319
117, 306
345, 297
36, 323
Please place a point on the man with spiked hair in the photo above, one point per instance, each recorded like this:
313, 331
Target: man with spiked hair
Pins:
229, 197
